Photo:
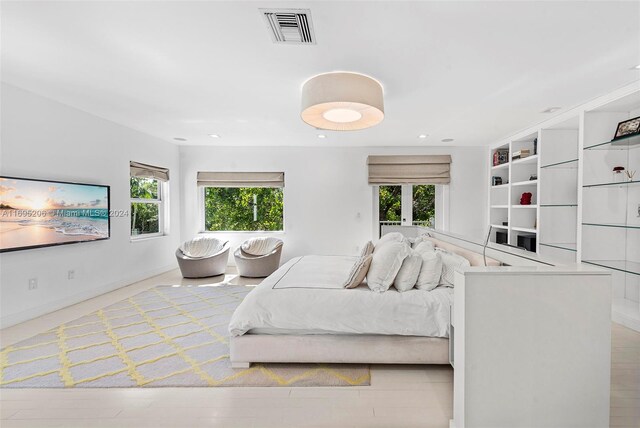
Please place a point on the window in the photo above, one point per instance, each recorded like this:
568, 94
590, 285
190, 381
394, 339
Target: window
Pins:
407, 205
147, 192
243, 209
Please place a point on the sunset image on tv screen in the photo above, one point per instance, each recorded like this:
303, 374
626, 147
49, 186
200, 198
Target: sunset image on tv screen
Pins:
42, 213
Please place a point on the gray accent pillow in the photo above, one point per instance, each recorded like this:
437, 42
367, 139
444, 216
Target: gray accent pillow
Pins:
358, 271
367, 249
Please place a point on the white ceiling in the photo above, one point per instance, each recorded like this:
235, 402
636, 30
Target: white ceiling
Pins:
472, 71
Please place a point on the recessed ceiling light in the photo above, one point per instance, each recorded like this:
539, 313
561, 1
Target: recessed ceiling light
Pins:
551, 109
423, 136
179, 139
214, 136
637, 67
447, 140
322, 136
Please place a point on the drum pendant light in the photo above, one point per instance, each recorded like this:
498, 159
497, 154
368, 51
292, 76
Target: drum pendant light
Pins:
342, 101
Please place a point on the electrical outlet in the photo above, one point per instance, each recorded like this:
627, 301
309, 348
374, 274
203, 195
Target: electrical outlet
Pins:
71, 274
33, 283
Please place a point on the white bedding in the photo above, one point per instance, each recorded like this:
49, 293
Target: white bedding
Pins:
306, 296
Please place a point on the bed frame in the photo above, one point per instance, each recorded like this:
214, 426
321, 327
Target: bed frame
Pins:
363, 349
325, 348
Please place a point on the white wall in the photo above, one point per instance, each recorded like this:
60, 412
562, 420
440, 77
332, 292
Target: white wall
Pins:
328, 203
43, 139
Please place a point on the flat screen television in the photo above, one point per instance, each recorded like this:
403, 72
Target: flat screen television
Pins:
39, 213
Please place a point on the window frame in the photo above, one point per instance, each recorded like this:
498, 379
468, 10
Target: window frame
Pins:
202, 221
160, 202
441, 206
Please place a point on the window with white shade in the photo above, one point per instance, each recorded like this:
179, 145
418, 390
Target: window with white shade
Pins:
244, 202
148, 192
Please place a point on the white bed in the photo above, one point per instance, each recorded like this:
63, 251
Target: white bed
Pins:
302, 313
306, 296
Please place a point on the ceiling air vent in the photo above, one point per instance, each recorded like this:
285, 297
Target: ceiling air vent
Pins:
290, 26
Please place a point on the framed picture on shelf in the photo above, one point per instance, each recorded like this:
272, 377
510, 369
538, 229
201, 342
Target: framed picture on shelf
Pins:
627, 128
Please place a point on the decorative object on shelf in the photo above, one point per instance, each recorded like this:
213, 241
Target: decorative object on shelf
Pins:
627, 128
533, 177
342, 101
525, 199
521, 154
500, 156
501, 237
535, 146
618, 174
496, 181
505, 223
630, 174
527, 241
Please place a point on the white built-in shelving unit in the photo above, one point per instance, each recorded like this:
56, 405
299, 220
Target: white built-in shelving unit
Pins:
581, 212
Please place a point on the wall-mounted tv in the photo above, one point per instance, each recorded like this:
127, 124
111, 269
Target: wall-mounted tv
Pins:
39, 213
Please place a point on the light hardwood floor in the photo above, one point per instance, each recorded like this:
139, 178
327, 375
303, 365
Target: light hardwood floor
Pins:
399, 396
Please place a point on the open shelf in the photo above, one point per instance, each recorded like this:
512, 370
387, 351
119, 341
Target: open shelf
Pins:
499, 206
502, 165
524, 229
523, 206
619, 225
569, 164
619, 144
499, 226
526, 183
501, 186
625, 266
557, 205
569, 246
619, 183
528, 159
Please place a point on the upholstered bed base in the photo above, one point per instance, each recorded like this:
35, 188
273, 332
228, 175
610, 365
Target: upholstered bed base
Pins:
370, 349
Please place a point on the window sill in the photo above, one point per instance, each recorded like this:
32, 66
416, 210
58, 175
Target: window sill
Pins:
142, 238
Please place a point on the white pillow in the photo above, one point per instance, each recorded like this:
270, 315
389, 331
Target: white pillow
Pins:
422, 240
409, 271
387, 261
430, 270
390, 237
450, 262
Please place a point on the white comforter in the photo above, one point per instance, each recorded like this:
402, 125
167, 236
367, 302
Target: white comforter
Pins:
305, 296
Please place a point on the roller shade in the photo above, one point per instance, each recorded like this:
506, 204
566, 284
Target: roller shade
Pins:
409, 169
241, 179
138, 169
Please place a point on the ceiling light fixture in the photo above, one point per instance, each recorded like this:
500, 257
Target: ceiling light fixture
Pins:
447, 140
551, 109
342, 101
214, 136
422, 136
322, 136
179, 139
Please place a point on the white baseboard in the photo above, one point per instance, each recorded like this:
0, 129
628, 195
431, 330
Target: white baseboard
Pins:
46, 308
625, 320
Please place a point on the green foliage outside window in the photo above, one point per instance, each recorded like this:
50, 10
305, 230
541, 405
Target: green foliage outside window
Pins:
144, 215
390, 203
229, 208
424, 204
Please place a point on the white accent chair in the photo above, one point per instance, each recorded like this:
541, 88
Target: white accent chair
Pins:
258, 257
202, 257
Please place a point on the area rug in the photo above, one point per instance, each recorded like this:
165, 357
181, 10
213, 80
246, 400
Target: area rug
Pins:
165, 336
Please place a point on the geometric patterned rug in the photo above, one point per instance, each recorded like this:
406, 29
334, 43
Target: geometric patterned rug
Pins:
166, 336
